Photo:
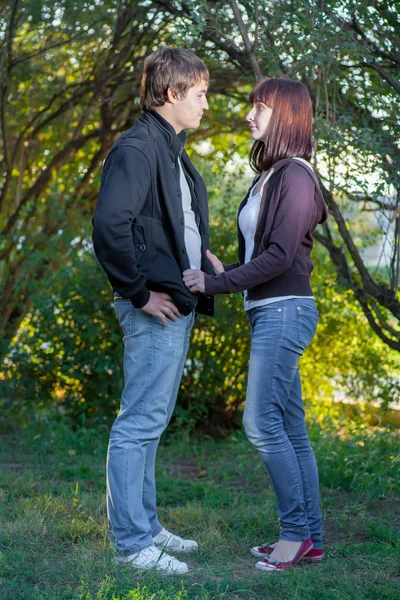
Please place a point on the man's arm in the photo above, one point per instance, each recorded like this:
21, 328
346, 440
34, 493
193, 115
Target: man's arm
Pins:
124, 187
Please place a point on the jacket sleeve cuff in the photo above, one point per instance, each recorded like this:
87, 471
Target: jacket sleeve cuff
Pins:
212, 285
231, 266
141, 298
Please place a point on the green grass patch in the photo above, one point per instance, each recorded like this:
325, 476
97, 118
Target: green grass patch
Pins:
53, 529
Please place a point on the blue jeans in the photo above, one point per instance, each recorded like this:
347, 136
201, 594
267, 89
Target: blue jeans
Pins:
274, 416
154, 358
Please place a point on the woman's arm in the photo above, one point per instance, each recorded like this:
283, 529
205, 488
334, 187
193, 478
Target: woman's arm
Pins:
231, 266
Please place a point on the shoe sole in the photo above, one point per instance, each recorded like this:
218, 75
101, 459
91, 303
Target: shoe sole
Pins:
269, 570
121, 561
185, 550
257, 554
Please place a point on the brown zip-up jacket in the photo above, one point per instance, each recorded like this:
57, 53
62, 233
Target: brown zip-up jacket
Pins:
291, 207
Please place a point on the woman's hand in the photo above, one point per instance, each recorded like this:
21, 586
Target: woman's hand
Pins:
216, 263
194, 280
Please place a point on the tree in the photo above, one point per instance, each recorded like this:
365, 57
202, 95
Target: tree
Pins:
347, 54
69, 84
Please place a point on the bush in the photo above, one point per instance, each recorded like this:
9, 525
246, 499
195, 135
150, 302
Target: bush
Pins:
68, 352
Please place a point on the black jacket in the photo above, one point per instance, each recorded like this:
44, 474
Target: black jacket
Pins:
138, 234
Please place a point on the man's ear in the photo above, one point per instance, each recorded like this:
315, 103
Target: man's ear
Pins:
172, 97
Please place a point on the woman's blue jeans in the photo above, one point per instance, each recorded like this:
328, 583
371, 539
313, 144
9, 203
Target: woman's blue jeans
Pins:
274, 417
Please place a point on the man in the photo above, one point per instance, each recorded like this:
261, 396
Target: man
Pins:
151, 224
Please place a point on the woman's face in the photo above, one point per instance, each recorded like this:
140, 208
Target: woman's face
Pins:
258, 118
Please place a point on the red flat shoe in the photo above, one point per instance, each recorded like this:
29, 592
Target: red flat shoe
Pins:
272, 564
264, 550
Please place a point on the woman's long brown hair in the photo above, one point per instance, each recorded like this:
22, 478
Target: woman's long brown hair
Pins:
289, 131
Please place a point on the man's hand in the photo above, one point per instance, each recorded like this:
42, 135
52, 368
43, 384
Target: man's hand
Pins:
161, 305
194, 280
216, 263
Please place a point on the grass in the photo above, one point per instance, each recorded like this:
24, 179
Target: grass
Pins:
53, 532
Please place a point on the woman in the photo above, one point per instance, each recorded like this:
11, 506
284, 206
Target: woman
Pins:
276, 223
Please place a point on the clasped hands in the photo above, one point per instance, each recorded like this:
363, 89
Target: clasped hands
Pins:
194, 278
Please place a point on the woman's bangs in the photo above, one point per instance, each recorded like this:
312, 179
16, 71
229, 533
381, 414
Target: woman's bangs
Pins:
263, 92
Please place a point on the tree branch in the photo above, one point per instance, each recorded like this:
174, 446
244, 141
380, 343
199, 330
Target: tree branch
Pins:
59, 159
339, 259
384, 74
247, 44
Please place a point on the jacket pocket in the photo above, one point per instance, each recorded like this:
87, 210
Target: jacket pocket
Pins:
140, 243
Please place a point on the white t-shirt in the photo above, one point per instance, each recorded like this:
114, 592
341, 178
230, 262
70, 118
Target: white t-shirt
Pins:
192, 235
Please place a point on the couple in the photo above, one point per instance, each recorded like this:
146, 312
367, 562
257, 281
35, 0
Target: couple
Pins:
151, 237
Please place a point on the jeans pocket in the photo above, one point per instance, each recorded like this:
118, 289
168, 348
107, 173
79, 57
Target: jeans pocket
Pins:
125, 314
266, 322
307, 320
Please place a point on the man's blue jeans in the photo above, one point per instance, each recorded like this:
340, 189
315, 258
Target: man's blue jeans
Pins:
154, 358
274, 416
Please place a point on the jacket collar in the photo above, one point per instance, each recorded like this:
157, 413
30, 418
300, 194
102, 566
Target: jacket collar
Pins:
175, 142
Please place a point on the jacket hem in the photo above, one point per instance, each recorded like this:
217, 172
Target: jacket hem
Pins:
282, 286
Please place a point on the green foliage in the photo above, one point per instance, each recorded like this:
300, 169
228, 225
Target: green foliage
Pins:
68, 351
344, 356
53, 525
69, 347
110, 590
70, 75
352, 455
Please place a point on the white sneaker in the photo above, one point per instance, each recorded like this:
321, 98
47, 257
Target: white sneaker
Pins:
153, 558
165, 539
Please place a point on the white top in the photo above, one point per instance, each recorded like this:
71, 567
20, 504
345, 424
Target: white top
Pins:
248, 218
192, 235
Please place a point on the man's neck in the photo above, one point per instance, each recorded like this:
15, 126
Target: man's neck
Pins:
166, 114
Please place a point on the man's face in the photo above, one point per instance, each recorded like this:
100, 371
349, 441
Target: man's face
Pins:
188, 110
